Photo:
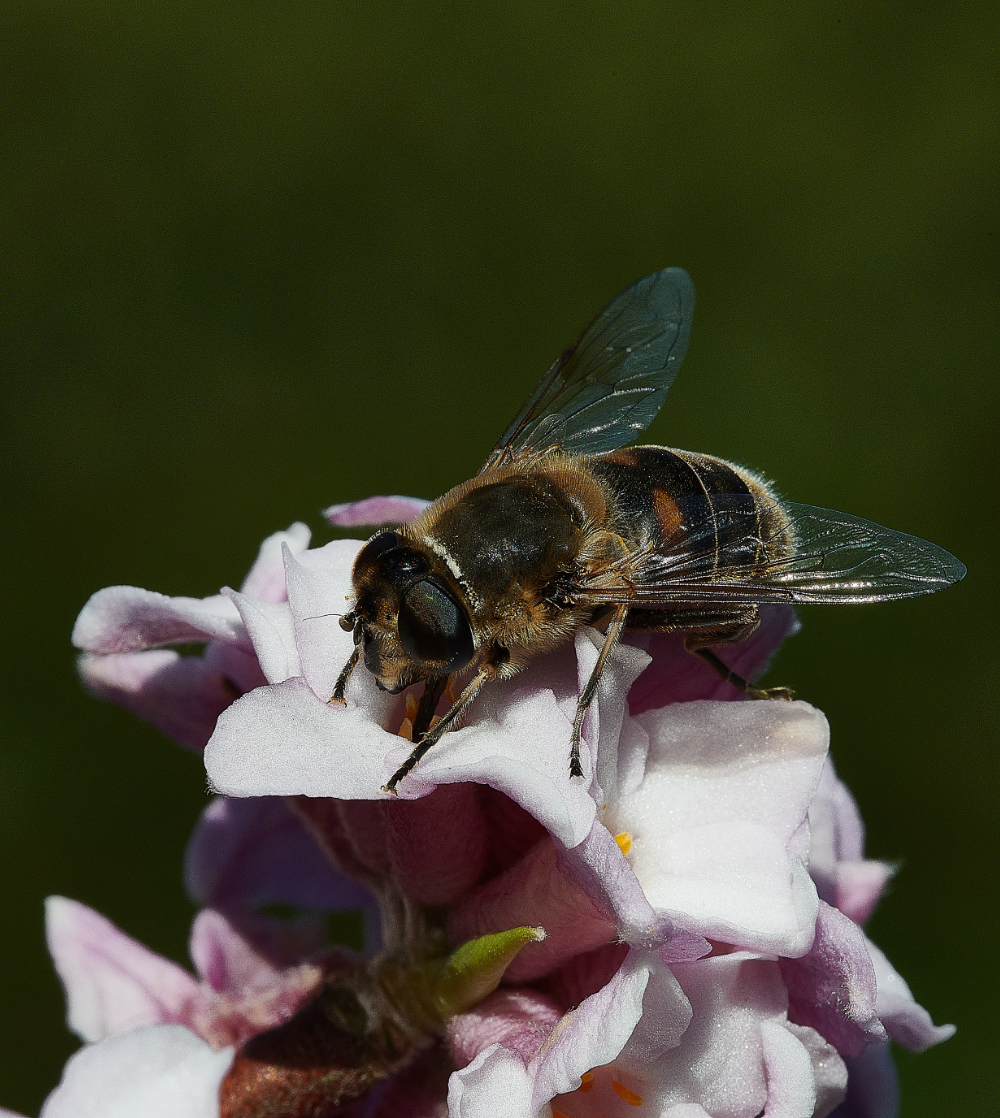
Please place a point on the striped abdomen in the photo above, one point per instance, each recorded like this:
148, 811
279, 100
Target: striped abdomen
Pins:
664, 497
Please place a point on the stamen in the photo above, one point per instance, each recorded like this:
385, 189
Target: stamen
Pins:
586, 1081
559, 1114
625, 1094
624, 841
406, 729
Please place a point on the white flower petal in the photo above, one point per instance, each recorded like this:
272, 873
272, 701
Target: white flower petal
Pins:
495, 1083
907, 1022
837, 864
113, 983
127, 619
828, 1069
282, 741
180, 695
269, 626
514, 746
597, 1030
606, 717
718, 823
720, 1060
266, 580
791, 1084
162, 1071
319, 586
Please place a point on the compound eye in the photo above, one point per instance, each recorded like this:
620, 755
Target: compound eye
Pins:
394, 561
376, 546
402, 564
434, 628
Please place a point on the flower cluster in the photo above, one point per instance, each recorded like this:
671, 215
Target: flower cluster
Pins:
702, 890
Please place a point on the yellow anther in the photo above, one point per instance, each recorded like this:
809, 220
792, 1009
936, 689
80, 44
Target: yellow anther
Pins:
624, 841
412, 705
625, 1094
586, 1081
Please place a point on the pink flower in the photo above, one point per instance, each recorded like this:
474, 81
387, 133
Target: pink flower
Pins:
253, 972
122, 630
710, 1036
701, 888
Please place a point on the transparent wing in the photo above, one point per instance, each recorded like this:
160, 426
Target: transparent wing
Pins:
727, 553
611, 382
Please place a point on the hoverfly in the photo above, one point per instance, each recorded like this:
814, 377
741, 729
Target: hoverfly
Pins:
563, 526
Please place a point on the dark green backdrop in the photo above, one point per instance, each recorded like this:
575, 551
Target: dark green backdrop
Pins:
258, 258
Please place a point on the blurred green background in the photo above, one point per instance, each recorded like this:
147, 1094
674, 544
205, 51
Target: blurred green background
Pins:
258, 258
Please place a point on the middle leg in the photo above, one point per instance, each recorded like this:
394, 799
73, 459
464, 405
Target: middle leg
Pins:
586, 697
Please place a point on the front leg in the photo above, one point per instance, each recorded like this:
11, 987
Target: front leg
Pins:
345, 675
497, 657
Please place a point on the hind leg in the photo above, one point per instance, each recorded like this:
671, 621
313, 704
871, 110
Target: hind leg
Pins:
700, 644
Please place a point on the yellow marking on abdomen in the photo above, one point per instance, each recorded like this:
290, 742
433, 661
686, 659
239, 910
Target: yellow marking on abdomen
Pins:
668, 514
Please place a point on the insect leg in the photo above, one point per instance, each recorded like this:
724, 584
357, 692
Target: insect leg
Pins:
610, 640
457, 709
737, 681
345, 675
